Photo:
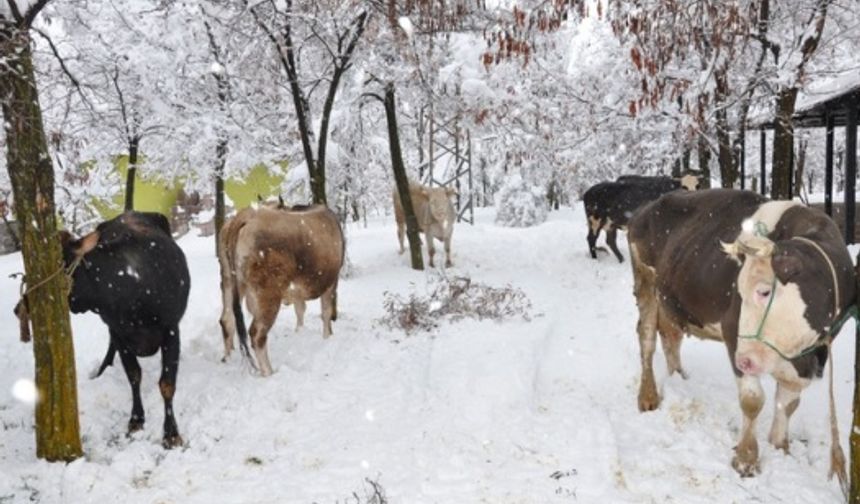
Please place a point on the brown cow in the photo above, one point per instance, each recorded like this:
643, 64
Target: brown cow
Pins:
435, 215
274, 255
772, 294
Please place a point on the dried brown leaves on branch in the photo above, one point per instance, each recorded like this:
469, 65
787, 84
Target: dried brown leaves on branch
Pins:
453, 299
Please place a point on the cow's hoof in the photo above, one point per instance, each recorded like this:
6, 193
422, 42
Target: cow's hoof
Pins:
649, 399
134, 426
173, 441
649, 403
448, 264
744, 468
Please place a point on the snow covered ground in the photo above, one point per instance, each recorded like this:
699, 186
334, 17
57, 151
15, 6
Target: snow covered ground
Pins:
540, 411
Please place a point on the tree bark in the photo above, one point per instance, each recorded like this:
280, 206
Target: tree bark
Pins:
783, 143
704, 153
220, 211
728, 168
131, 173
401, 179
32, 176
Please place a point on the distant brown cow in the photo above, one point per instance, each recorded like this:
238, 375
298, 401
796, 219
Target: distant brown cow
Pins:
773, 291
274, 255
435, 215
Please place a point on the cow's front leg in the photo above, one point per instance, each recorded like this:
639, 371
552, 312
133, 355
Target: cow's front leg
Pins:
448, 262
327, 309
611, 236
671, 337
787, 400
132, 371
299, 306
431, 251
751, 397
167, 384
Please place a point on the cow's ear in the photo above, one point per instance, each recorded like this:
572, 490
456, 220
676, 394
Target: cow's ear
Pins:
86, 244
65, 238
786, 266
450, 191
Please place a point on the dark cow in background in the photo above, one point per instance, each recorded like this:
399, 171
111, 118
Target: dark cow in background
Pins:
772, 291
133, 275
273, 255
609, 205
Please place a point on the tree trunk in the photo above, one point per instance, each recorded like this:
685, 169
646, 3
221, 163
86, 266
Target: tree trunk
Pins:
220, 211
704, 162
131, 174
728, 168
799, 168
32, 176
783, 143
402, 180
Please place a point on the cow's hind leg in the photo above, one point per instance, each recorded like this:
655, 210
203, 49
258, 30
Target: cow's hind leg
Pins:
751, 397
401, 232
646, 300
265, 311
327, 308
671, 337
228, 316
167, 384
132, 371
594, 226
611, 236
787, 400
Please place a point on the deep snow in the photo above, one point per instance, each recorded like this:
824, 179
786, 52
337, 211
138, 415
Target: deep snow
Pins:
539, 411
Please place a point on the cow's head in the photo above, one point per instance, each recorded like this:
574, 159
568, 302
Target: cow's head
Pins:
690, 182
787, 301
438, 198
73, 254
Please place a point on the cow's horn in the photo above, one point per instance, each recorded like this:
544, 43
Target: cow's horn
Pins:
87, 243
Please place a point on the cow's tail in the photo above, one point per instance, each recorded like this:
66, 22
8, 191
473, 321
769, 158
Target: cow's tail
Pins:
239, 317
241, 330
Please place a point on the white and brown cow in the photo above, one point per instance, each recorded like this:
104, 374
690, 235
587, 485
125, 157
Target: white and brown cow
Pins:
772, 290
270, 256
435, 214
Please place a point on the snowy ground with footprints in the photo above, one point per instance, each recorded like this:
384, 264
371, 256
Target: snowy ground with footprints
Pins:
540, 409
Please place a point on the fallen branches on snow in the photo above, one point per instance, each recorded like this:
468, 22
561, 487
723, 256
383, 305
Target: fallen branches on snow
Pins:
453, 299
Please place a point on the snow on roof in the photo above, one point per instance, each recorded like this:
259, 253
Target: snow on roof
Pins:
826, 89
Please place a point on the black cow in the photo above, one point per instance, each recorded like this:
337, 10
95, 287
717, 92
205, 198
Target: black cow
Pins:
135, 277
609, 205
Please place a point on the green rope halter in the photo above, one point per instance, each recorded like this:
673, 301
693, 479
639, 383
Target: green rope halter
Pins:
851, 312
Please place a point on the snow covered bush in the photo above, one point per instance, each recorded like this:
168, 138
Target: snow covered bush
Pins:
520, 203
453, 299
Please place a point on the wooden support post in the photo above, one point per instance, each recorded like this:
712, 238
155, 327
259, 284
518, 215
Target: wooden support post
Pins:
828, 166
850, 168
763, 155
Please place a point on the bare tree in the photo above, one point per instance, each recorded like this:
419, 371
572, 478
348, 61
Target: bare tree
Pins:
337, 43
